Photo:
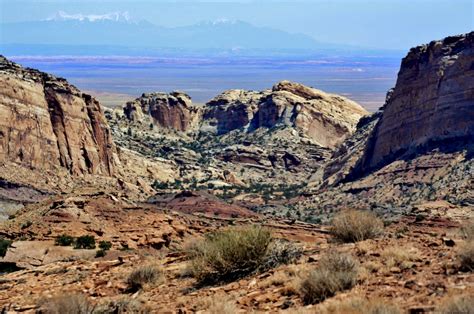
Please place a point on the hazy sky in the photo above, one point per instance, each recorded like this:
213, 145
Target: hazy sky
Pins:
393, 24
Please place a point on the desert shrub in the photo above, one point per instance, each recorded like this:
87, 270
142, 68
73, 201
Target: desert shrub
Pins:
229, 254
85, 242
26, 224
402, 256
69, 303
281, 252
336, 272
467, 231
4, 245
466, 256
361, 306
64, 240
105, 245
218, 304
123, 305
143, 275
354, 226
158, 185
458, 304
100, 253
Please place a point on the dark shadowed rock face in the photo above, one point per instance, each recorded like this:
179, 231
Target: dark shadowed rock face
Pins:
46, 123
432, 105
171, 111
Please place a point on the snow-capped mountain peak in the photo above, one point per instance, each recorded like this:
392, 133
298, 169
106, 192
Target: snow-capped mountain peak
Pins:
112, 16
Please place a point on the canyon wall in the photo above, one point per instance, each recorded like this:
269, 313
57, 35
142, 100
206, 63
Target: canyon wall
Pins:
45, 123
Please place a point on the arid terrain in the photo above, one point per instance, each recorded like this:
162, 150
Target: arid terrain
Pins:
285, 200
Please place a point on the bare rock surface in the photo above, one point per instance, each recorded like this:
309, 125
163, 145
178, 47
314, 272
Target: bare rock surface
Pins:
418, 148
324, 118
47, 123
170, 111
432, 105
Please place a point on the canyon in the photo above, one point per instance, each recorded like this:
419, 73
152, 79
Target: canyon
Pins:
156, 174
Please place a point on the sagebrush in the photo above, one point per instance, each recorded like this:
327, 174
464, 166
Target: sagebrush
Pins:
336, 272
356, 225
230, 253
147, 274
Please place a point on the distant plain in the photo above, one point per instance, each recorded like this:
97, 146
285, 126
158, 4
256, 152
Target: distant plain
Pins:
114, 80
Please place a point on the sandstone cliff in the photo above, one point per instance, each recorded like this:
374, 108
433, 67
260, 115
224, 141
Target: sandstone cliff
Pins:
418, 148
278, 135
432, 105
324, 118
46, 123
171, 111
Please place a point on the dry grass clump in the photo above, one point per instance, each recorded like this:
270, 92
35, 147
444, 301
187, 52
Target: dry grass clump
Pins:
336, 272
219, 305
361, 306
68, 303
355, 225
467, 231
229, 254
143, 275
458, 304
121, 306
466, 256
402, 257
281, 252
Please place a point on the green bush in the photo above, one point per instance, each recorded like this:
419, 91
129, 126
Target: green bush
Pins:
100, 253
229, 254
85, 242
105, 245
336, 272
147, 274
158, 185
4, 245
354, 226
64, 240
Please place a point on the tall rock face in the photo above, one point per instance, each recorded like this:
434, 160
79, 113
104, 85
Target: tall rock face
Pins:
170, 111
47, 123
324, 118
231, 110
432, 105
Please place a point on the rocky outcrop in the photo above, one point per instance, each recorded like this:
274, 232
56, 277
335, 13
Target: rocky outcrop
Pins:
322, 117
418, 148
432, 105
231, 110
171, 111
47, 123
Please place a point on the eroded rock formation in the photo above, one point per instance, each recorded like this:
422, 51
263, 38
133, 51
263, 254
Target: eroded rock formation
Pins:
45, 123
432, 104
322, 117
170, 111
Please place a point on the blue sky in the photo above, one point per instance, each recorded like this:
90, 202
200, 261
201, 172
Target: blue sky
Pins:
389, 24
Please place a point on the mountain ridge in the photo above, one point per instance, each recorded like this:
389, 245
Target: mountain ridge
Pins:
116, 30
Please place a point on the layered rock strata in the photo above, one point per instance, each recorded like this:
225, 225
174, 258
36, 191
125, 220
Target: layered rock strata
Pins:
46, 123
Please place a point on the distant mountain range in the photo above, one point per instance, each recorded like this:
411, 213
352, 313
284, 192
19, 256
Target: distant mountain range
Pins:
119, 30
